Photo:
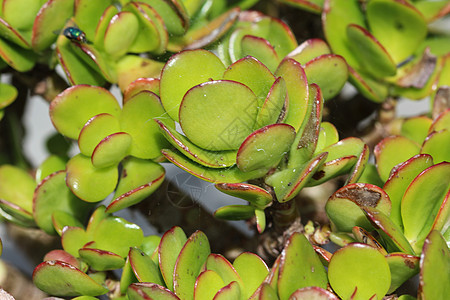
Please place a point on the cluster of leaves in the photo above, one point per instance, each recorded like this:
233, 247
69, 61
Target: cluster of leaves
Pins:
388, 44
177, 267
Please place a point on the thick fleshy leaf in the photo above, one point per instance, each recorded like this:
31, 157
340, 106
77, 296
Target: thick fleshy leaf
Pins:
265, 292
20, 13
371, 55
72, 108
399, 181
168, 250
391, 233
101, 260
253, 74
84, 179
313, 293
273, 109
437, 145
442, 121
262, 50
287, 183
260, 217
111, 150
50, 165
148, 36
8, 94
305, 143
231, 291
337, 15
342, 157
17, 187
183, 71
252, 270
52, 195
17, 57
73, 239
61, 279
387, 154
61, 219
229, 105
344, 206
145, 291
97, 216
139, 85
208, 283
188, 264
297, 85
328, 135
76, 69
201, 36
363, 236
223, 267
173, 13
265, 147
359, 166
398, 25
422, 202
13, 35
117, 235
51, 17
136, 120
403, 267
416, 128
230, 175
144, 268
369, 87
138, 180
297, 273
314, 6
329, 72
235, 212
121, 33
309, 50
254, 194
102, 26
435, 259
62, 256
211, 159
95, 130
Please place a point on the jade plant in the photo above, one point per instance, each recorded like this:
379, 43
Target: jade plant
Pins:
232, 97
389, 46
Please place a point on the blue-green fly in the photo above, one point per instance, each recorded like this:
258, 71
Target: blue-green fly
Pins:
75, 34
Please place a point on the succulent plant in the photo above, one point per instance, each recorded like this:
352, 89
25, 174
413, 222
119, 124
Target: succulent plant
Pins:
245, 123
389, 54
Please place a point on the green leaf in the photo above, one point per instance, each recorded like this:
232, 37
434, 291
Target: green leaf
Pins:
144, 268
297, 86
274, 106
221, 103
101, 260
254, 194
398, 26
61, 279
297, 273
422, 202
344, 206
117, 235
189, 263
402, 267
17, 187
435, 260
53, 195
265, 147
252, 270
84, 179
399, 181
309, 50
211, 159
139, 179
111, 150
329, 72
416, 128
73, 239
313, 293
95, 130
72, 108
168, 250
208, 283
145, 290
387, 154
436, 144
224, 268
183, 71
360, 271
136, 120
